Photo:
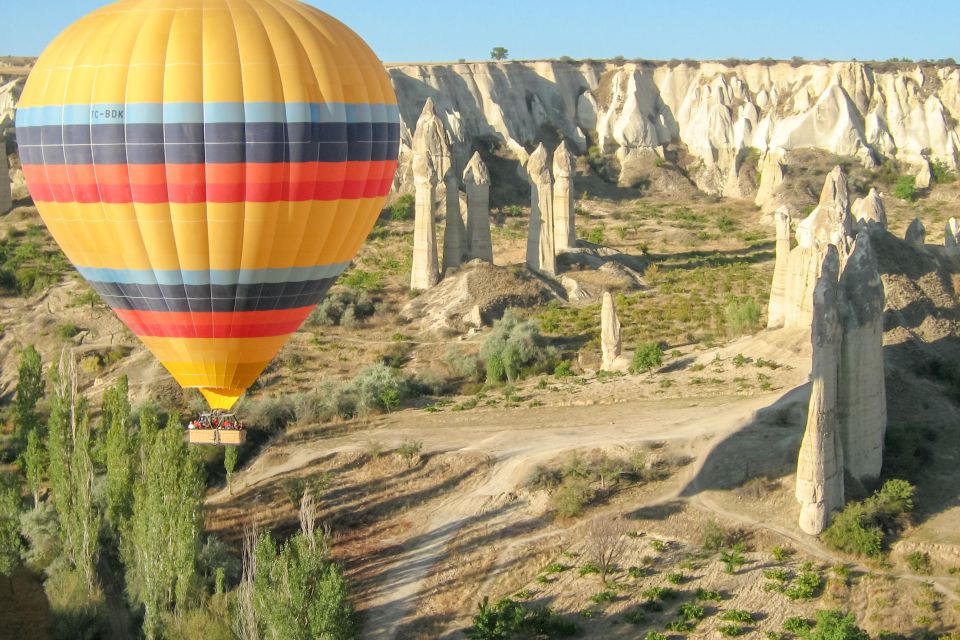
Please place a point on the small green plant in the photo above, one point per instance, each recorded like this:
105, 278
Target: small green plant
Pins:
659, 594
647, 357
563, 369
635, 617
589, 568
905, 188
653, 635
637, 572
595, 236
739, 360
919, 561
690, 611
797, 625
776, 573
659, 545
681, 626
708, 595
732, 560
523, 594
410, 451
67, 331
730, 630
942, 174
806, 585
781, 554
676, 578
555, 567
737, 615
603, 597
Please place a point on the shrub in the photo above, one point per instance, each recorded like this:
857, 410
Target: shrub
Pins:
563, 369
344, 308
919, 562
737, 615
653, 635
595, 236
67, 331
732, 560
730, 630
378, 387
41, 530
400, 210
410, 451
462, 364
797, 625
635, 617
704, 594
571, 497
603, 597
648, 356
942, 174
273, 414
905, 188
834, 625
508, 618
805, 586
513, 347
360, 280
780, 554
676, 578
77, 611
689, 611
742, 316
862, 526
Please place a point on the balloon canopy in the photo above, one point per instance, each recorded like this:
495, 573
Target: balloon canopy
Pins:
210, 167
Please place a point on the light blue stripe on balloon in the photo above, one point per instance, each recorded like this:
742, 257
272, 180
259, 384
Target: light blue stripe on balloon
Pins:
207, 112
214, 276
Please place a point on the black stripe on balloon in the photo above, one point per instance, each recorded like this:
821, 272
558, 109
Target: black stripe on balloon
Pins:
216, 298
211, 143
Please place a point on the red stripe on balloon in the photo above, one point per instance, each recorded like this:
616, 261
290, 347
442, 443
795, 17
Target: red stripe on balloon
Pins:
238, 324
228, 183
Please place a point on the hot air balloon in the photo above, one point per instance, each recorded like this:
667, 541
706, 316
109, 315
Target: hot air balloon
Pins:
210, 167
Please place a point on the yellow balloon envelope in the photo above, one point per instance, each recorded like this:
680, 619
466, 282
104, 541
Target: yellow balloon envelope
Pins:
210, 167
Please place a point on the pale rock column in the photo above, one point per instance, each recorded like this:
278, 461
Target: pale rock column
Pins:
771, 177
565, 222
951, 237
476, 181
924, 176
916, 234
819, 488
541, 248
429, 135
609, 332
870, 209
776, 311
862, 392
830, 224
6, 193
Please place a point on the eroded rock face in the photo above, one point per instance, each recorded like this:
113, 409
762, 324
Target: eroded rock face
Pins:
6, 194
870, 210
541, 251
819, 488
916, 234
564, 218
476, 181
771, 177
429, 139
862, 392
829, 225
924, 176
717, 110
609, 332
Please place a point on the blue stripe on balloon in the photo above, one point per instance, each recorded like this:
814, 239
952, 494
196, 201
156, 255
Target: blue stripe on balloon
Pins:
212, 276
207, 112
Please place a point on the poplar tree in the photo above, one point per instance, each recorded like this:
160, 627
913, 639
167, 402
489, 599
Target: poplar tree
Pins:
71, 472
34, 464
161, 544
29, 392
10, 544
121, 460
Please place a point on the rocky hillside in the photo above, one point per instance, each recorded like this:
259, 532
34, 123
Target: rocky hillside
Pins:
717, 111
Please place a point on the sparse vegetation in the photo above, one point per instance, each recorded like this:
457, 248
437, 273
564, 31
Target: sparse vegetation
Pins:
508, 619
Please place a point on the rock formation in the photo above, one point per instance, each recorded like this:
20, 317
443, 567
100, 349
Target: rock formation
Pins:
776, 312
870, 209
830, 224
427, 143
717, 110
6, 194
916, 234
476, 181
771, 177
819, 488
564, 218
951, 237
924, 176
609, 332
862, 392
541, 251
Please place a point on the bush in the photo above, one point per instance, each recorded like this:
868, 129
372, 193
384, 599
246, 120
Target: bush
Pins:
919, 562
514, 348
41, 530
78, 613
862, 527
67, 331
360, 280
462, 364
341, 308
834, 625
737, 615
648, 356
378, 387
942, 174
742, 316
272, 414
797, 625
905, 188
400, 210
508, 619
730, 630
571, 497
805, 586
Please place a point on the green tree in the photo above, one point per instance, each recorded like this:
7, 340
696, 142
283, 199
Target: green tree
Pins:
34, 463
161, 544
499, 53
10, 545
648, 356
120, 453
71, 472
299, 593
29, 392
230, 457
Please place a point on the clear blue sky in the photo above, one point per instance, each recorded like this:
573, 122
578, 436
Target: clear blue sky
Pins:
422, 30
